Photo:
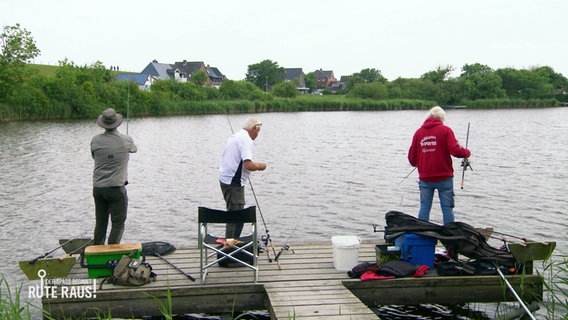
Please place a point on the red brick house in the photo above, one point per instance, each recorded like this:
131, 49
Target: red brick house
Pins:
325, 79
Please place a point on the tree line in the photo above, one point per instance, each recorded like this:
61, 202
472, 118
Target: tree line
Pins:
83, 91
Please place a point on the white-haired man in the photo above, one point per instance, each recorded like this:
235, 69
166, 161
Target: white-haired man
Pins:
236, 166
432, 146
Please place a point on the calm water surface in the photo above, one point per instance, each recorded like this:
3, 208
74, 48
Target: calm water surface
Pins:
328, 173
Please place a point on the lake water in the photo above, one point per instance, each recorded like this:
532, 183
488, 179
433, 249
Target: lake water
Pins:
328, 173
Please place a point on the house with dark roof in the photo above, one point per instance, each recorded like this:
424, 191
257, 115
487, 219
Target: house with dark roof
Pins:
341, 84
189, 68
183, 71
144, 81
325, 78
297, 75
164, 71
215, 76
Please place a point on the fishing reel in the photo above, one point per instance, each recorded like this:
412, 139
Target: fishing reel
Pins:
284, 248
466, 164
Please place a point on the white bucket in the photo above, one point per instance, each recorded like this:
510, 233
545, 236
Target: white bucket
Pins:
345, 252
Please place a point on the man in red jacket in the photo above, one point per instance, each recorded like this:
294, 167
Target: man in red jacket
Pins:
431, 151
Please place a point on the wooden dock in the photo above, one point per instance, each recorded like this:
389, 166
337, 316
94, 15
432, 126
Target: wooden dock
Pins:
306, 287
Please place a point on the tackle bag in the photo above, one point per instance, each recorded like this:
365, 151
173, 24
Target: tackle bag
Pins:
454, 268
458, 236
226, 262
398, 269
469, 268
131, 272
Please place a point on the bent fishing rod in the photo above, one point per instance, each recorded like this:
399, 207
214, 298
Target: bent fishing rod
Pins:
266, 239
406, 177
465, 162
523, 305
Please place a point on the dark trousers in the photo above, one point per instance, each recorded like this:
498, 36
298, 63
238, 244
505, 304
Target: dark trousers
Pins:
109, 202
235, 200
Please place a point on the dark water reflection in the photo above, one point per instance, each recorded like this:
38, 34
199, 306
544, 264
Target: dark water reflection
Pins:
328, 173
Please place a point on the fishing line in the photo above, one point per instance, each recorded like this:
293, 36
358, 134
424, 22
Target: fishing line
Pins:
401, 181
127, 106
266, 239
230, 125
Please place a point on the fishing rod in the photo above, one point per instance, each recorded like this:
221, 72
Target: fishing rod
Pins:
286, 247
528, 312
465, 162
511, 236
265, 239
127, 106
78, 249
406, 177
49, 252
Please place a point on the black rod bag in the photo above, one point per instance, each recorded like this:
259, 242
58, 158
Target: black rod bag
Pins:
459, 236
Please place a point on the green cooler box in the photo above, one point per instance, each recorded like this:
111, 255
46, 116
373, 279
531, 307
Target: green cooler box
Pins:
101, 259
387, 252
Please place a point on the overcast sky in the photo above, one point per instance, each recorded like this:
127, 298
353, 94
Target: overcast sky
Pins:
401, 38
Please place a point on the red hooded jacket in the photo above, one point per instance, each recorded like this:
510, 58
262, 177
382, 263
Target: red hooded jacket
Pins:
432, 146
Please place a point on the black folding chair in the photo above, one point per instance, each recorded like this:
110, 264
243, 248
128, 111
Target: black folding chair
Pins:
211, 251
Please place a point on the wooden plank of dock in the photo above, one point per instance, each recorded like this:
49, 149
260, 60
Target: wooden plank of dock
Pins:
306, 287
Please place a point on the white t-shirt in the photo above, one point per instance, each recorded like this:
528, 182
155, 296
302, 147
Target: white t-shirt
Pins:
238, 148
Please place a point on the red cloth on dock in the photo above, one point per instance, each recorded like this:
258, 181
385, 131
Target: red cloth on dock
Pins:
421, 271
371, 275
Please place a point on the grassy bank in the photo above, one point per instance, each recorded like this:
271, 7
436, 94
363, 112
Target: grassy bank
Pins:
308, 103
511, 103
140, 107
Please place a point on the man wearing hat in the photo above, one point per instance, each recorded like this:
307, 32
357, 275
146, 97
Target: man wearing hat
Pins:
235, 168
111, 152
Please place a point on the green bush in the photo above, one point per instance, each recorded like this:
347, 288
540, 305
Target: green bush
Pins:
83, 92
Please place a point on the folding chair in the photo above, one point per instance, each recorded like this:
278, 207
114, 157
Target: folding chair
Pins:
213, 251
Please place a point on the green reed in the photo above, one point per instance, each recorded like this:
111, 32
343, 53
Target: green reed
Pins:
555, 300
11, 304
